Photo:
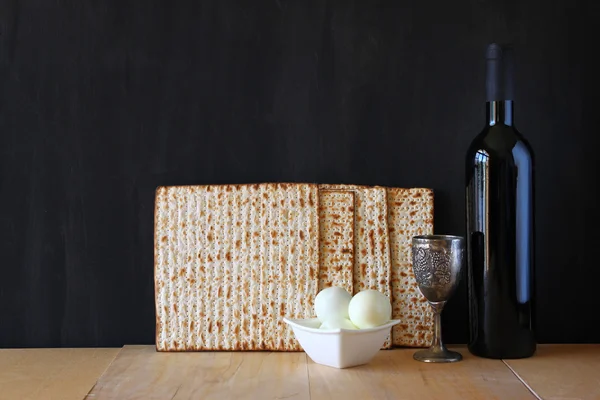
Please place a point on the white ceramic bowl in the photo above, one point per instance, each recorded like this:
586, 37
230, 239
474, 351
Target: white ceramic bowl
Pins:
339, 348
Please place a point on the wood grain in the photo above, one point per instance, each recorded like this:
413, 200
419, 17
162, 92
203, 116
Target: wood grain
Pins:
49, 374
140, 372
395, 375
561, 371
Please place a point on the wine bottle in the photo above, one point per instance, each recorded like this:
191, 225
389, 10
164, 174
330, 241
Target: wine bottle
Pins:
500, 223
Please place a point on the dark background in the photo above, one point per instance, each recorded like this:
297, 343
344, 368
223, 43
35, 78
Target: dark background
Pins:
101, 101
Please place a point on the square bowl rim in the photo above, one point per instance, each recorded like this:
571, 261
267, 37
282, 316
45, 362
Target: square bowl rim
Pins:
298, 323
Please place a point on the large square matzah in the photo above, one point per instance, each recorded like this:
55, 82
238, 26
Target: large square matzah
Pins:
231, 261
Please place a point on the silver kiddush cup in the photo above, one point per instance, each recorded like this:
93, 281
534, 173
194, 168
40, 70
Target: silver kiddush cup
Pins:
437, 264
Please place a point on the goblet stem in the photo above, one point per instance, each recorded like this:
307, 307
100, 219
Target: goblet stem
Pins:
437, 352
438, 345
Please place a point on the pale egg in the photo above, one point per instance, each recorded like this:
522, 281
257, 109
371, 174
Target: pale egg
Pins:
369, 308
332, 302
337, 323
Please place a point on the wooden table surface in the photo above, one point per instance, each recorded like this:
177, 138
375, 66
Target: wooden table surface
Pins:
51, 374
139, 372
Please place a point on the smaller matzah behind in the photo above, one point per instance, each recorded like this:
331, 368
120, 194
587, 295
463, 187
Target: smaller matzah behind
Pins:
336, 239
231, 261
372, 261
410, 214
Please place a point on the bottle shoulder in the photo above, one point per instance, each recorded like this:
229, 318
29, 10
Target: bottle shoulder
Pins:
500, 140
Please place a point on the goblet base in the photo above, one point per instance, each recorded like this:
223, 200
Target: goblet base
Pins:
437, 356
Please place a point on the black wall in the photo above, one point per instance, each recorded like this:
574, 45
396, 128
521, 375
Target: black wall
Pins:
101, 101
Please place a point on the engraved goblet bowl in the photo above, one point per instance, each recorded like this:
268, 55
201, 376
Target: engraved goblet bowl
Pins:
437, 265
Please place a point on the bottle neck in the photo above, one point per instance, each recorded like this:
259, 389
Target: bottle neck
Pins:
499, 112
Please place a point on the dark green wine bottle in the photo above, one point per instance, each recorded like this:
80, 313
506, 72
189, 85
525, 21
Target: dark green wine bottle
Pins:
500, 223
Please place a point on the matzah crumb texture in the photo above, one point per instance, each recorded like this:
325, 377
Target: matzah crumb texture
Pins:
372, 261
336, 252
231, 261
410, 214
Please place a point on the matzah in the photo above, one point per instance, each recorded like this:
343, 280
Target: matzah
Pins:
231, 261
372, 261
336, 250
410, 214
